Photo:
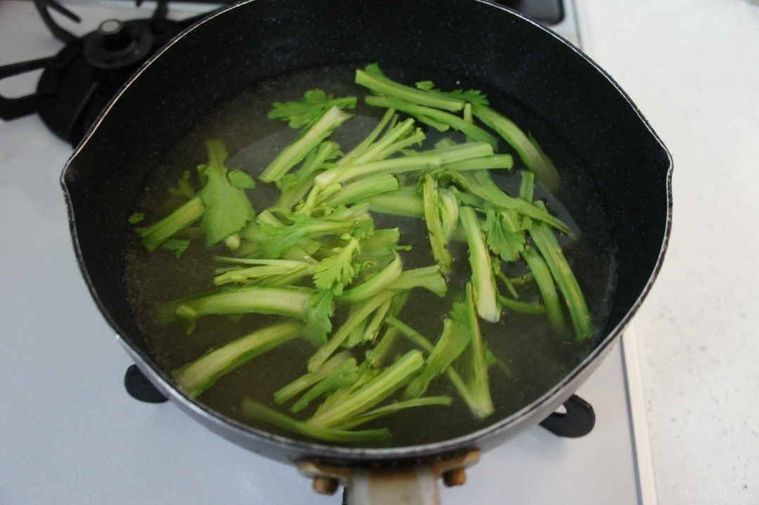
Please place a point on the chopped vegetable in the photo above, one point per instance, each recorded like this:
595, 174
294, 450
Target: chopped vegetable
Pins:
428, 278
423, 343
405, 202
156, 234
449, 346
562, 273
473, 363
362, 189
304, 382
202, 373
372, 77
386, 383
391, 166
276, 240
392, 408
531, 154
354, 320
227, 207
470, 96
178, 246
295, 152
361, 148
374, 284
289, 302
504, 236
343, 375
482, 271
438, 119
295, 186
527, 186
319, 317
535, 309
314, 258
338, 270
264, 272
433, 204
258, 412
550, 297
484, 188
307, 111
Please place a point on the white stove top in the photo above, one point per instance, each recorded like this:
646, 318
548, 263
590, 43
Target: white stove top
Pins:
71, 434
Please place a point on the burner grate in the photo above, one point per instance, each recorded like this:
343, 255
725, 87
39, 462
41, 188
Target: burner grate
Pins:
81, 78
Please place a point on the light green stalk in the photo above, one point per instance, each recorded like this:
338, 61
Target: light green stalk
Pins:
529, 151
374, 284
202, 373
382, 386
156, 234
482, 270
258, 412
297, 151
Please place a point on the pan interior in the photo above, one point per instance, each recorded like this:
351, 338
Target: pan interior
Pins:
531, 358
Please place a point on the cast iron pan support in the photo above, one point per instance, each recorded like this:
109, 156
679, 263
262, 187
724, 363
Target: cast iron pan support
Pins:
577, 421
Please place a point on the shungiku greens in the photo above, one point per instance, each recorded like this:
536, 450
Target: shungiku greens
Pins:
321, 269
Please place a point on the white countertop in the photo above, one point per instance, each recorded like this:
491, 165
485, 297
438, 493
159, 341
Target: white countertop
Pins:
692, 66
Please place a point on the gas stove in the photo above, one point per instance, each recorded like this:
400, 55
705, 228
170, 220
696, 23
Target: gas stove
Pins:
74, 435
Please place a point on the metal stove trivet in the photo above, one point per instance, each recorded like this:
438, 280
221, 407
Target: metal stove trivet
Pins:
79, 80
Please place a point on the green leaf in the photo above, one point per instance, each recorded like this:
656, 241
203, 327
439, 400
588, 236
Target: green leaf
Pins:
183, 188
228, 208
178, 246
305, 112
277, 239
241, 180
503, 235
136, 218
318, 318
336, 271
473, 96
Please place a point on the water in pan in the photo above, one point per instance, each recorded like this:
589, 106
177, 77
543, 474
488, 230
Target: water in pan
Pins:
531, 358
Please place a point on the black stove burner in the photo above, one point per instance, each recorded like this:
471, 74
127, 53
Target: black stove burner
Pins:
79, 81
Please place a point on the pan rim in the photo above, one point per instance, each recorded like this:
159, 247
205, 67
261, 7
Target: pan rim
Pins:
367, 454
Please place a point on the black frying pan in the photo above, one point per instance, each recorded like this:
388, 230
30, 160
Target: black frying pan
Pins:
478, 41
